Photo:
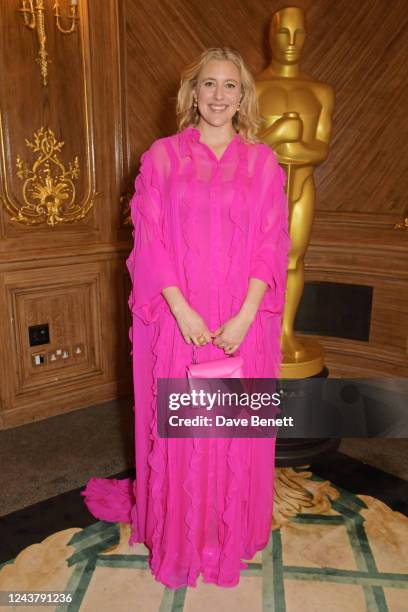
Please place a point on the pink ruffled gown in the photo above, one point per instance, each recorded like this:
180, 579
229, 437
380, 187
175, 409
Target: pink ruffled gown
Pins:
207, 226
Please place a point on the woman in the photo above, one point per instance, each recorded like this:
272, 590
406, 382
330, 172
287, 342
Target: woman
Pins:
208, 269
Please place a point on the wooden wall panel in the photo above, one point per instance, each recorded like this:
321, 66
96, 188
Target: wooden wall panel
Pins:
71, 275
79, 301
44, 297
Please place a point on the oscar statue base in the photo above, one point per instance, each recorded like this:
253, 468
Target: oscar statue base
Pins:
291, 452
309, 365
302, 451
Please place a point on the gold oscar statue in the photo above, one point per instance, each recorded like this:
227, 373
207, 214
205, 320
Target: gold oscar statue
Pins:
297, 110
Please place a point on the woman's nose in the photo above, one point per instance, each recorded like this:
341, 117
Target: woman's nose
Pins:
219, 93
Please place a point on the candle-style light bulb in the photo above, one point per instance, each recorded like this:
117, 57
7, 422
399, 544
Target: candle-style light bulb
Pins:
74, 2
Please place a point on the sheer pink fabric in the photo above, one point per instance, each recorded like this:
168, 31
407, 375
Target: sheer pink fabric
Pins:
207, 226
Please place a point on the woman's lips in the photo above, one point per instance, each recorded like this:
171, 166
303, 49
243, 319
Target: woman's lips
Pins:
217, 109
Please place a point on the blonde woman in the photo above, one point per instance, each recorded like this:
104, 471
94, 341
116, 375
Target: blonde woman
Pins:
208, 269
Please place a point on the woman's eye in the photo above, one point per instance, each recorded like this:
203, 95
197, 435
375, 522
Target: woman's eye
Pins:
211, 84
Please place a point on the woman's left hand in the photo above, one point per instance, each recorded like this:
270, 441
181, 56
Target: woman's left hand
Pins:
232, 333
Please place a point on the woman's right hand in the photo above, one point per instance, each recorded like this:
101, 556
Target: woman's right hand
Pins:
191, 324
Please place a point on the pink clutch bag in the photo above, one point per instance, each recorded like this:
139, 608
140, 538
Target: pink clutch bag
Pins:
230, 367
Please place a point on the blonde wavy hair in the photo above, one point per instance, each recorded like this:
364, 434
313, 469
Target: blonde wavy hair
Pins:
247, 121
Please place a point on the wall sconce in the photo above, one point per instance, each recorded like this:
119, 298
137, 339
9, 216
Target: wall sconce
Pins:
33, 19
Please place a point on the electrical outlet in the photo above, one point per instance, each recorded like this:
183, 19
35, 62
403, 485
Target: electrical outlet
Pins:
65, 353
78, 350
52, 357
38, 359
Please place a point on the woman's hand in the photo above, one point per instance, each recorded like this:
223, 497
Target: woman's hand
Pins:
231, 334
191, 325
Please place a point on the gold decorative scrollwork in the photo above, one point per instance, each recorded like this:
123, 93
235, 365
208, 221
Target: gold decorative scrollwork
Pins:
34, 19
48, 188
402, 224
126, 218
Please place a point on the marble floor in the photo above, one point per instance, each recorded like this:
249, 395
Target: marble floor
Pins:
351, 555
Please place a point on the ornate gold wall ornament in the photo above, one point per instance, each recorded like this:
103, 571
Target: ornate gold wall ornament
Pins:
33, 19
48, 188
403, 225
126, 218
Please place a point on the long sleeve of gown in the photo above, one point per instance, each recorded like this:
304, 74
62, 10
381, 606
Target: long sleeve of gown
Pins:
272, 242
149, 264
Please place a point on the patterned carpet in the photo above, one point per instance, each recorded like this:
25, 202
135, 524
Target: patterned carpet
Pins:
350, 557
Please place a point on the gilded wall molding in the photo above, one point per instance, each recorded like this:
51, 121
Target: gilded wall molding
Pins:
125, 214
48, 186
69, 118
34, 19
402, 225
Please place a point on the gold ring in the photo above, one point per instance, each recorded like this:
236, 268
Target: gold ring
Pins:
201, 340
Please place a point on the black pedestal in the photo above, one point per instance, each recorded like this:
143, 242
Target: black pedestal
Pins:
291, 452
303, 451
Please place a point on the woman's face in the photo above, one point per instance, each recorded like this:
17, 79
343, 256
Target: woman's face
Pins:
218, 92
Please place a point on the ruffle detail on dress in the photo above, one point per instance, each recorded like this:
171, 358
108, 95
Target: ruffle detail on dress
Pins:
191, 518
109, 499
158, 463
211, 549
131, 339
236, 213
261, 342
230, 561
145, 299
188, 139
221, 559
130, 261
188, 223
245, 456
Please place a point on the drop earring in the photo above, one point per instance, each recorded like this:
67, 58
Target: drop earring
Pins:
239, 104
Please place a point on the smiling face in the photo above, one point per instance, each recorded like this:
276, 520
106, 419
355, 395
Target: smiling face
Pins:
218, 92
287, 35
